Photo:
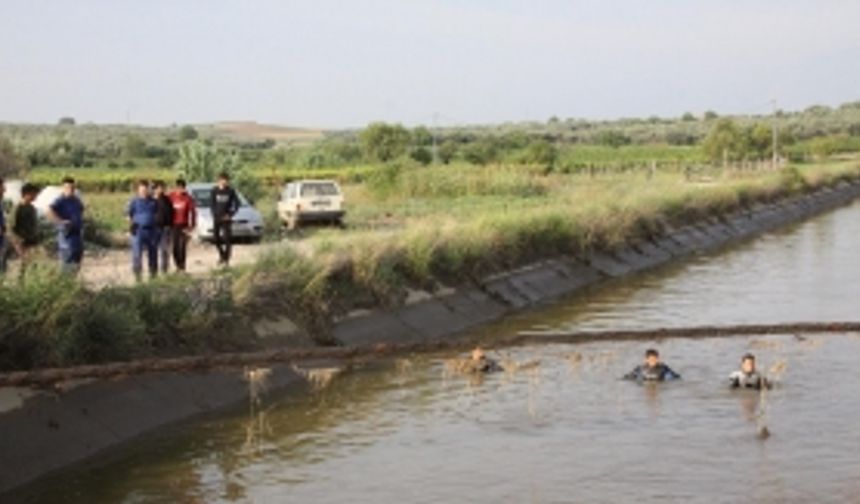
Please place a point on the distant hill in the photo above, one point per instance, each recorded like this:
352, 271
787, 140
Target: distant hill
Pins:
244, 131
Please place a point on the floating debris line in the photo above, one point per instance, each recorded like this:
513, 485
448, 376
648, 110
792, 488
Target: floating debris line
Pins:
54, 377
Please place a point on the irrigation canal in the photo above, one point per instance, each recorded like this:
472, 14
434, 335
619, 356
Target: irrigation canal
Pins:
567, 429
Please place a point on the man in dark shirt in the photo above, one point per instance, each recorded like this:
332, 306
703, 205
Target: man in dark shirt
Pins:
163, 223
142, 212
67, 212
24, 232
652, 369
2, 229
224, 205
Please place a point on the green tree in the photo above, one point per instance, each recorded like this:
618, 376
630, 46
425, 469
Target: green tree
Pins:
66, 121
134, 146
199, 162
384, 142
481, 152
11, 163
724, 142
760, 140
422, 155
188, 132
613, 138
447, 151
688, 117
422, 137
541, 152
710, 115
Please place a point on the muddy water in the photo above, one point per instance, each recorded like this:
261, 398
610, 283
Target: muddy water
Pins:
567, 430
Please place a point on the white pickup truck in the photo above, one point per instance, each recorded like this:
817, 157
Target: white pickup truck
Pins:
311, 201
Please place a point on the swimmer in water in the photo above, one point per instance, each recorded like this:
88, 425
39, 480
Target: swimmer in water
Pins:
480, 363
747, 376
652, 370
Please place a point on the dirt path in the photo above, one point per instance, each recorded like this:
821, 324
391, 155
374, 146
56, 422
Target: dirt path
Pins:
113, 267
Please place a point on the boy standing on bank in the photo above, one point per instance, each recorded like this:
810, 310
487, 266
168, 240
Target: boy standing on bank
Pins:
24, 232
2, 229
184, 221
224, 205
141, 214
163, 223
67, 212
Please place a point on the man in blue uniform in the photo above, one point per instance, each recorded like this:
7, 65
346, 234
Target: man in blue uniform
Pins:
143, 228
652, 370
67, 212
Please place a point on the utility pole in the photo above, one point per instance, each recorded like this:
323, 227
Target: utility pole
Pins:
775, 143
435, 147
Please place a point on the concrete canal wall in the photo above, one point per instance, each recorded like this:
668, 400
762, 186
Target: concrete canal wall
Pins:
42, 431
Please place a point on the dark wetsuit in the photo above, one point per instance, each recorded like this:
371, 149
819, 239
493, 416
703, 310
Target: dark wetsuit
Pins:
753, 380
660, 372
483, 366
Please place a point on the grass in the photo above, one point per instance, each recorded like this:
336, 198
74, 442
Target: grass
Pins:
423, 233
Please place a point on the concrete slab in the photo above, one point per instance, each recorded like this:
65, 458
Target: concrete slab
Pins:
503, 290
578, 273
657, 255
432, 319
635, 259
673, 247
377, 327
478, 306
607, 265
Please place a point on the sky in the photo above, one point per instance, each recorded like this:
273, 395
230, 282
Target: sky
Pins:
339, 64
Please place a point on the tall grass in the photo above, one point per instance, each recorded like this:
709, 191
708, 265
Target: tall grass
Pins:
49, 319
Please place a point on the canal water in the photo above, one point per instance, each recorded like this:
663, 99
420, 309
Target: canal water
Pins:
565, 428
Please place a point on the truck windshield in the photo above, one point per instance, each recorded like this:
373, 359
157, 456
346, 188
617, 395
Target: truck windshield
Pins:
319, 189
203, 197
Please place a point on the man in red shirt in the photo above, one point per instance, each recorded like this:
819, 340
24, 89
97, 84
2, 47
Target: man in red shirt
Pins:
184, 220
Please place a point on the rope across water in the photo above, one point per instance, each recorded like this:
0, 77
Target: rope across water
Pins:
54, 376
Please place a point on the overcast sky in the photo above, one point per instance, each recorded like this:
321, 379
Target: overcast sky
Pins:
341, 64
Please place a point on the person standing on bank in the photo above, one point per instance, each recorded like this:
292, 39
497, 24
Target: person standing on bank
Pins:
24, 232
142, 214
184, 221
2, 229
67, 212
163, 224
224, 205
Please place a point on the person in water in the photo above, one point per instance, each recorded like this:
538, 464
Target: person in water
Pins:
652, 369
747, 376
480, 363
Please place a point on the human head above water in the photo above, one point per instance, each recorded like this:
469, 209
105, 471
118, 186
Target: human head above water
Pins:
68, 186
748, 363
478, 354
652, 357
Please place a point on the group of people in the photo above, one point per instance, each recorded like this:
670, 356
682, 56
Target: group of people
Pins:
652, 370
160, 225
